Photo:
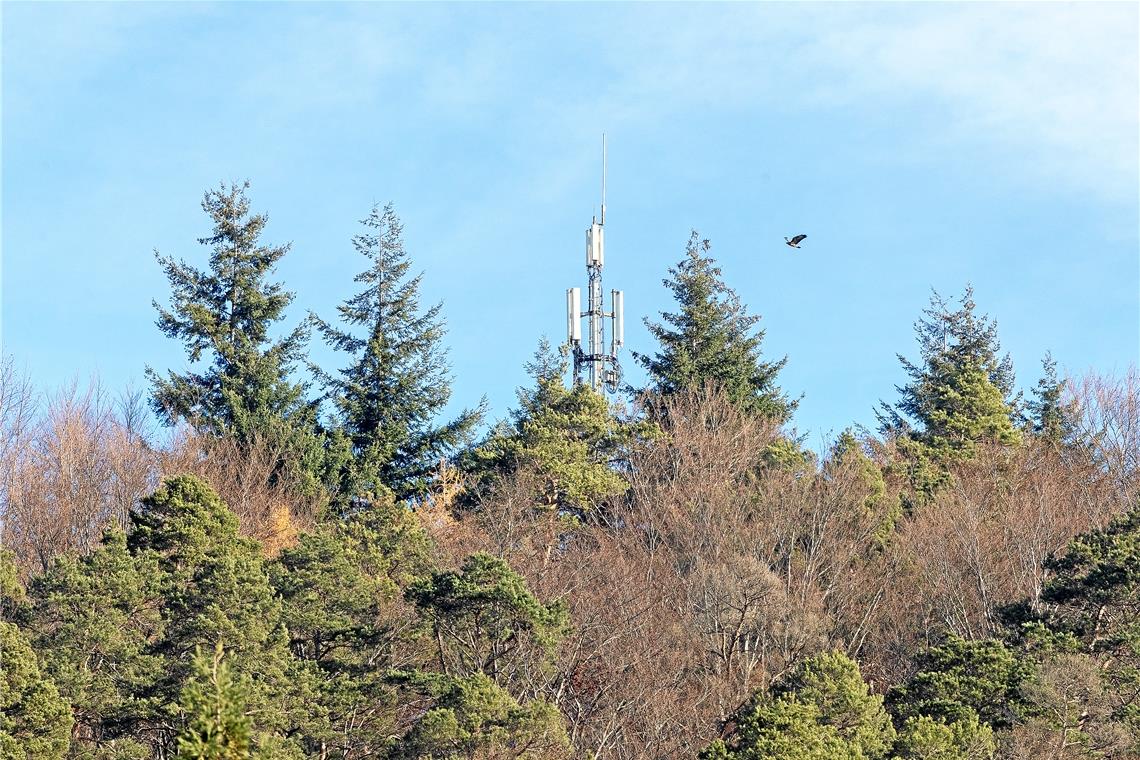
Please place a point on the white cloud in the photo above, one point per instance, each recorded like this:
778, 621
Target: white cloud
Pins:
1055, 87
1056, 83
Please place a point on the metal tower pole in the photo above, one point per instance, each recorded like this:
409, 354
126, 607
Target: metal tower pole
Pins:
597, 328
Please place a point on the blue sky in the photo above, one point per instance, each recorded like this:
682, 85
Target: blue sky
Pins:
917, 145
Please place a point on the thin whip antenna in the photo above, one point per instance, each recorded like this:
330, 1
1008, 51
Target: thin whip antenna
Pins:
603, 177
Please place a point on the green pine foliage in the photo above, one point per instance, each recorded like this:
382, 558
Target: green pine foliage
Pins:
924, 738
388, 399
117, 628
214, 588
484, 619
570, 437
341, 590
960, 679
473, 717
822, 709
92, 620
1095, 598
711, 339
213, 701
35, 722
879, 504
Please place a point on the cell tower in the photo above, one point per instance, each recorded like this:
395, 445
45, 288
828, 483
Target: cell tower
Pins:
600, 365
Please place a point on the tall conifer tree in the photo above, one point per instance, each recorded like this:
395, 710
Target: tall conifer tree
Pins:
389, 397
961, 391
224, 315
712, 339
1051, 416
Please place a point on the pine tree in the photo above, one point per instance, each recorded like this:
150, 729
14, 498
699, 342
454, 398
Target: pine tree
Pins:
822, 710
1094, 598
91, 620
213, 702
485, 619
569, 436
925, 738
712, 339
389, 397
35, 721
961, 680
213, 587
472, 717
349, 624
961, 392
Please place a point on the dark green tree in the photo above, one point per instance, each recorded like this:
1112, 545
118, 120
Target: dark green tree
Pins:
960, 679
213, 702
35, 721
224, 314
388, 399
1051, 415
349, 624
473, 717
1095, 599
239, 381
712, 339
92, 619
821, 710
214, 588
484, 619
960, 393
569, 437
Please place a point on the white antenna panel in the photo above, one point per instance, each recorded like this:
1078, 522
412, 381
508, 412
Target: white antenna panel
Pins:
574, 315
619, 318
595, 245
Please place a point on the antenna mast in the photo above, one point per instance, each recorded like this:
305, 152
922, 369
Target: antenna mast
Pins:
601, 365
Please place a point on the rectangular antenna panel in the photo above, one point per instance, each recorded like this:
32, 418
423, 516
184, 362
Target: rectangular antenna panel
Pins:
619, 318
574, 315
595, 245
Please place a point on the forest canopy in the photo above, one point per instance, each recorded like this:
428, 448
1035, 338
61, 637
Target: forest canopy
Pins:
260, 557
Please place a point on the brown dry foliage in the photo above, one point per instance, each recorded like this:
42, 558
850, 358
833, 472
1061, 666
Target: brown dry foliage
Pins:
77, 462
72, 464
271, 506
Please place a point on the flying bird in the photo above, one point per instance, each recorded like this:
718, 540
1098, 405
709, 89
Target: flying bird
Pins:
795, 242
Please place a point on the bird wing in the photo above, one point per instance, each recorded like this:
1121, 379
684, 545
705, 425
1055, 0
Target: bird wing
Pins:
798, 238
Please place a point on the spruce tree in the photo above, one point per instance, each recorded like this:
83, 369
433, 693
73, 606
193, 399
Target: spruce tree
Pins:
960, 393
712, 339
1051, 416
388, 399
224, 315
239, 380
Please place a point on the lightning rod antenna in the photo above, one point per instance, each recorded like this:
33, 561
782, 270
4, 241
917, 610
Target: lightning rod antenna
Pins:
603, 177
